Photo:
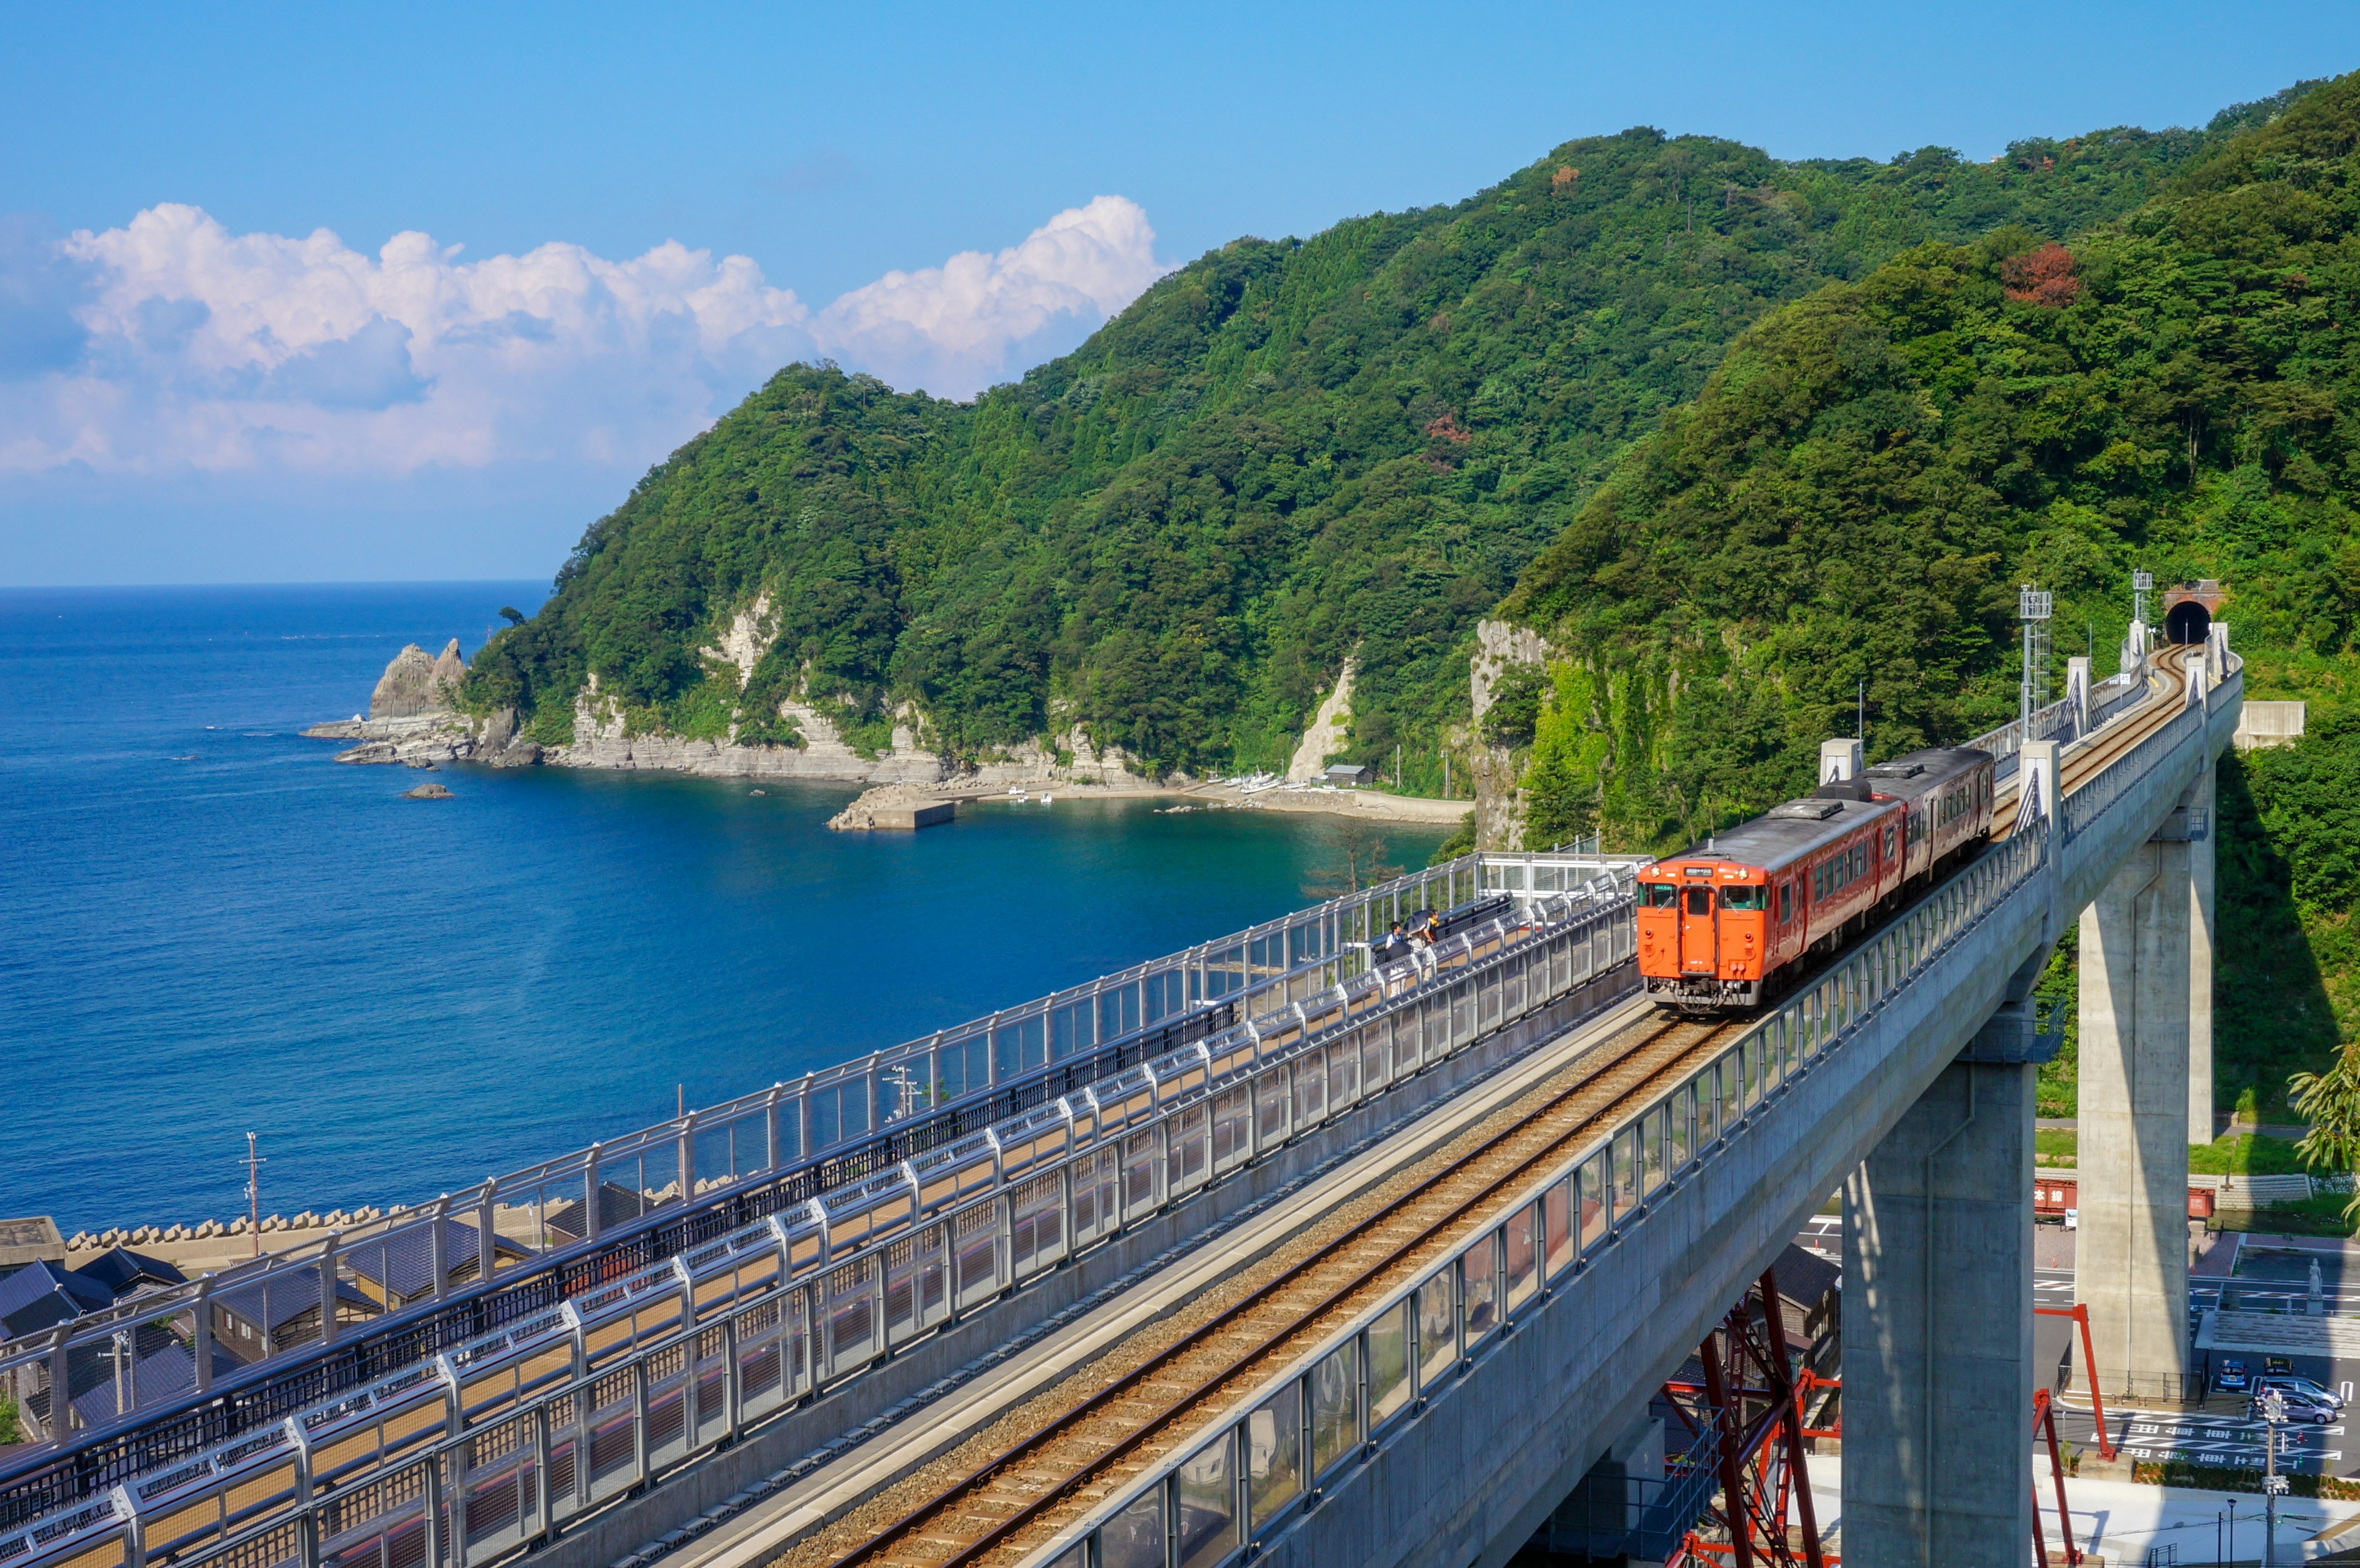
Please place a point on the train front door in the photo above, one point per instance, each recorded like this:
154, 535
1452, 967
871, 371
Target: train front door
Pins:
1699, 933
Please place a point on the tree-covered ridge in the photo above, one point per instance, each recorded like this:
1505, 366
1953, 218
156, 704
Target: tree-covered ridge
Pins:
1872, 471
1282, 453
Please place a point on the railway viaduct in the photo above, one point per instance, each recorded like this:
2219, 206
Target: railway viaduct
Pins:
1252, 1250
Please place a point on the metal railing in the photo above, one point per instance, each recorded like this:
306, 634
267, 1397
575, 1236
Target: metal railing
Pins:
2058, 721
1639, 1517
2084, 805
339, 1311
492, 1443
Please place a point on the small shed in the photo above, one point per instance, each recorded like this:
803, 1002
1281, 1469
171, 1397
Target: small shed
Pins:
124, 1272
281, 1311
1346, 775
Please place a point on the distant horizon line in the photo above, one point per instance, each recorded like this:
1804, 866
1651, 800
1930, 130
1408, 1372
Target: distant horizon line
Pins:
289, 582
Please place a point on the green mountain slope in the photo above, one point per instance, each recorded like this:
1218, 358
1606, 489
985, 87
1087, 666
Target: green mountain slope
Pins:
1871, 471
1284, 454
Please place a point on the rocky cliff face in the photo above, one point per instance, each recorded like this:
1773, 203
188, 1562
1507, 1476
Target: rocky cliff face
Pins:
1498, 771
412, 719
414, 684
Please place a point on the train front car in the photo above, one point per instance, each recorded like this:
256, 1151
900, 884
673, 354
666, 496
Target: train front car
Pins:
1704, 932
1728, 927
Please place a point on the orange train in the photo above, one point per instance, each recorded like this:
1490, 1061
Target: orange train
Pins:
1727, 927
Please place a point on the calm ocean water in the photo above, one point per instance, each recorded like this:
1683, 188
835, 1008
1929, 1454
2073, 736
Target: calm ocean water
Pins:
208, 927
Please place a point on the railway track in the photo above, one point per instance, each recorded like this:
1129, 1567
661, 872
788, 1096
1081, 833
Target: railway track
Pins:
2085, 763
1030, 1481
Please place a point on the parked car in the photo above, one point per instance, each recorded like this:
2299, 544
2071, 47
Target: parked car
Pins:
2293, 1386
2231, 1378
2301, 1409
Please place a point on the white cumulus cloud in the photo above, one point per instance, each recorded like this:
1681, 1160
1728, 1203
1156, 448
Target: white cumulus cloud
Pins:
170, 344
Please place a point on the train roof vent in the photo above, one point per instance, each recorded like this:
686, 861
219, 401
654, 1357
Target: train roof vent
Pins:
1807, 810
1896, 770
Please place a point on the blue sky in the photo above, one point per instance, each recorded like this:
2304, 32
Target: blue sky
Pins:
207, 388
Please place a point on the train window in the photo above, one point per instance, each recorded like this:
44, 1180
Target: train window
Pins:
1700, 901
1742, 898
1662, 895
1888, 841
1786, 902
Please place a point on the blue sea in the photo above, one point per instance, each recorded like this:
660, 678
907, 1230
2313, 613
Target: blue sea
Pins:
207, 927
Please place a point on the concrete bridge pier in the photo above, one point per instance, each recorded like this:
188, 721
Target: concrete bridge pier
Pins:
1938, 1364
2196, 818
2139, 939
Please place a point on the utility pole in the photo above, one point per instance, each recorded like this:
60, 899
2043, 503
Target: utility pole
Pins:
1860, 717
254, 1164
1445, 776
2273, 1483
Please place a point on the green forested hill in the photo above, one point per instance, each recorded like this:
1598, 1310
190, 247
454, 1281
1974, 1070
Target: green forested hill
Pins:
1283, 454
1872, 471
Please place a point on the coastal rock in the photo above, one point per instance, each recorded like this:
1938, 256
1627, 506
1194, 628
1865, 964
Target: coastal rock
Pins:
414, 684
497, 745
427, 792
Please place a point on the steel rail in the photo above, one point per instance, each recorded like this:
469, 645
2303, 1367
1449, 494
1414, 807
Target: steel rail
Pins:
950, 1496
2083, 760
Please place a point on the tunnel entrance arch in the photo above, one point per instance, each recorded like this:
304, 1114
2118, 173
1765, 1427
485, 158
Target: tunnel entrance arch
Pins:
2187, 622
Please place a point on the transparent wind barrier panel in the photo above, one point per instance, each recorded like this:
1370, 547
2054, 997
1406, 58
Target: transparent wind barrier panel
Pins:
1437, 1330
1205, 1497
1479, 1287
1135, 1537
1391, 1388
1274, 1440
1334, 1388
1520, 1247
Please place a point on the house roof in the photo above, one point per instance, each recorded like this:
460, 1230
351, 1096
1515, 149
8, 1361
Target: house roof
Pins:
1805, 1277
45, 1294
275, 1301
120, 1269
170, 1371
403, 1261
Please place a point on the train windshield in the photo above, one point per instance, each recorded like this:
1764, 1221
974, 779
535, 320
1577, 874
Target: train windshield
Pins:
1662, 895
1700, 901
1742, 897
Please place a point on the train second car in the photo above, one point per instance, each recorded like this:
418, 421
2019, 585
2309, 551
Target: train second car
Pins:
1726, 927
